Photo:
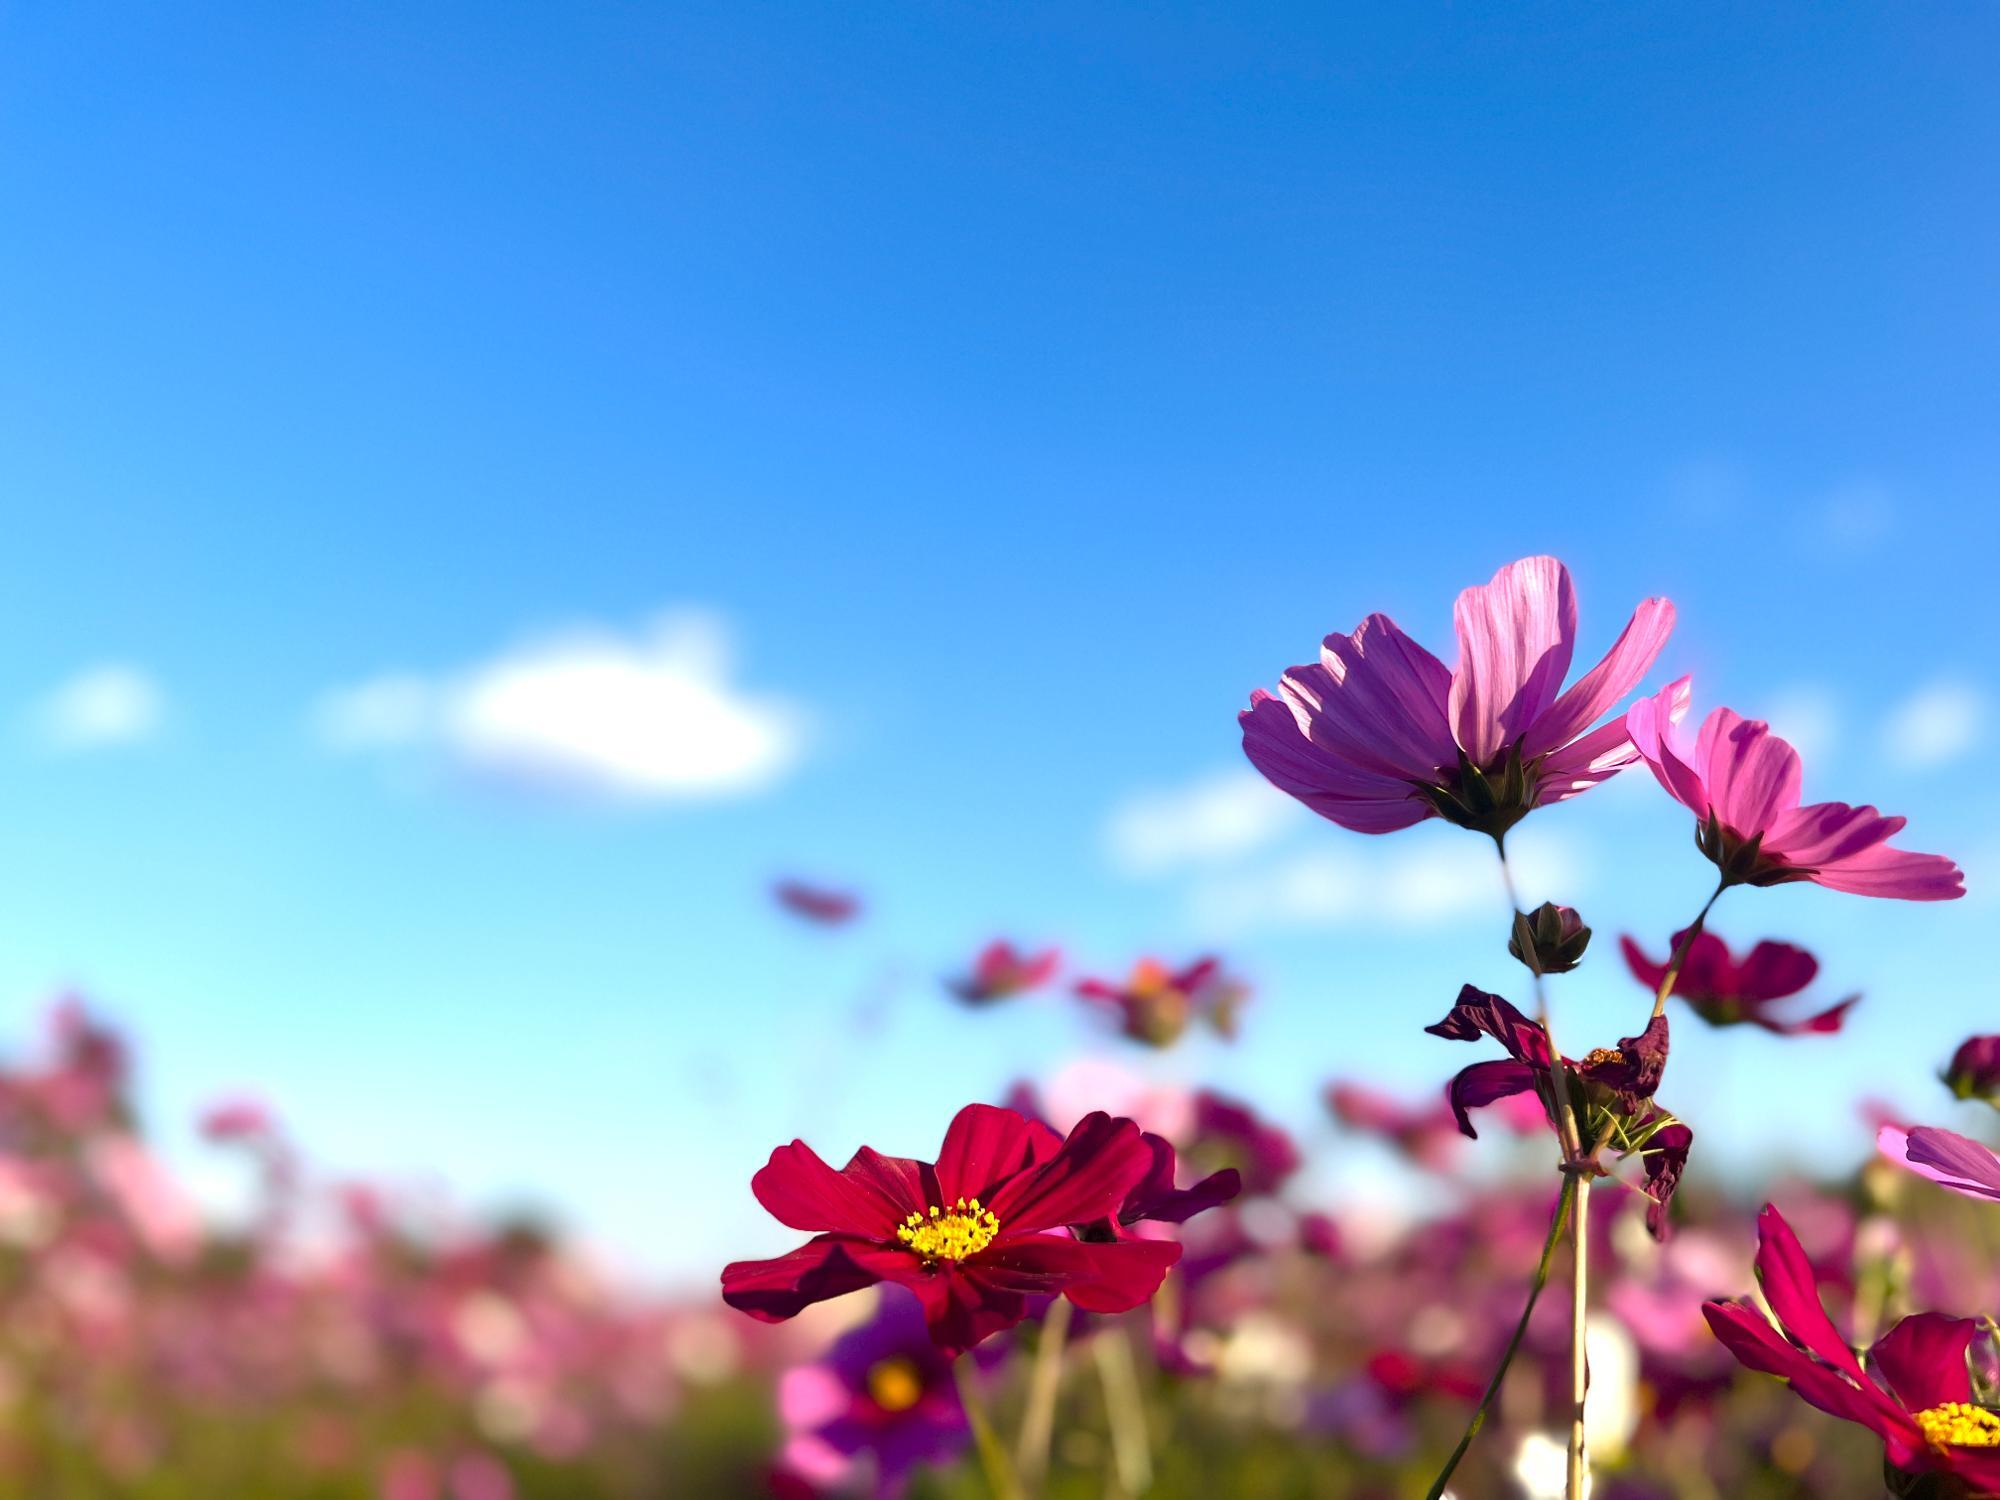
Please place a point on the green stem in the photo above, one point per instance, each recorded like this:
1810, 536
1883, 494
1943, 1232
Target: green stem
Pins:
1672, 976
1031, 1451
1000, 1477
1131, 1444
1541, 1280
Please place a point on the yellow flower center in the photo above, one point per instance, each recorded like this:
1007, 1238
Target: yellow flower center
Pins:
894, 1384
950, 1233
1957, 1424
1603, 1056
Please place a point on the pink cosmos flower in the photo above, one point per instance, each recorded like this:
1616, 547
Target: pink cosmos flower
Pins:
1945, 1157
1725, 990
1913, 1390
1743, 783
817, 903
1379, 734
1002, 971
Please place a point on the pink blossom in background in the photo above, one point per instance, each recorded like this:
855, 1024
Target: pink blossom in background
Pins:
1002, 971
1378, 734
816, 903
1724, 990
1742, 783
1945, 1157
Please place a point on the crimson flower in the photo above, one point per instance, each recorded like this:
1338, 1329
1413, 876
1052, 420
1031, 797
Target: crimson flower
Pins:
1974, 1069
1725, 990
1379, 734
974, 1235
1912, 1390
1002, 970
1743, 783
1155, 1004
815, 903
1616, 1109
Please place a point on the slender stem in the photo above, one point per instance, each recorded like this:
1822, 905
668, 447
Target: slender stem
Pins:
1131, 1446
1566, 1126
1000, 1477
1556, 1221
1038, 1420
1672, 976
1579, 1335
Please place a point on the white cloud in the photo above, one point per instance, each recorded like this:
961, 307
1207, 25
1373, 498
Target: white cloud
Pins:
1220, 816
1409, 883
1807, 717
1935, 725
654, 715
106, 705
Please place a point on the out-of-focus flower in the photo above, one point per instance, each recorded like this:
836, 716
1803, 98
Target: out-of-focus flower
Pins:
1615, 1110
1227, 1133
1426, 1133
1915, 1392
883, 1391
1742, 783
1945, 1157
1378, 734
1550, 939
1726, 991
1155, 1004
974, 1236
237, 1119
1974, 1069
816, 903
1002, 971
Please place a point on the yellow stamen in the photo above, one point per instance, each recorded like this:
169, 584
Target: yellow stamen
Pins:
950, 1233
1603, 1057
1957, 1424
894, 1384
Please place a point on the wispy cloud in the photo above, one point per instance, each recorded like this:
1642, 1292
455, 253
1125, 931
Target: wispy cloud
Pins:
1935, 725
1220, 816
1807, 715
1411, 885
654, 715
103, 706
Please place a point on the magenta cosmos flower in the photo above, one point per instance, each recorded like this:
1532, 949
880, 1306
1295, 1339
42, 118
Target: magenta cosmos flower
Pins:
1913, 1392
974, 1235
1002, 971
1156, 1004
1725, 990
1742, 782
1379, 734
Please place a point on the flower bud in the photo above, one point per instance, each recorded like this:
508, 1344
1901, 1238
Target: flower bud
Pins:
1550, 939
1974, 1069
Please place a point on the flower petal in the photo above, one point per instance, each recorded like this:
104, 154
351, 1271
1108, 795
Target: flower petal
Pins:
829, 1266
1770, 971
1597, 692
984, 1146
1923, 1359
1515, 637
1753, 777
1087, 1180
1793, 1292
1945, 1157
1898, 874
867, 1198
1485, 1082
1757, 1345
1825, 1023
1097, 1277
1651, 723
1275, 740
1477, 1013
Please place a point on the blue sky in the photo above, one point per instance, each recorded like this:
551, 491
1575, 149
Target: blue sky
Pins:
988, 398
